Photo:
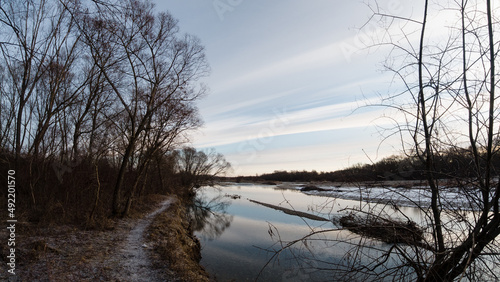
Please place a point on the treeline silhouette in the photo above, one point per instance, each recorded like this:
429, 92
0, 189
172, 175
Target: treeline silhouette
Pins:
81, 192
96, 101
451, 163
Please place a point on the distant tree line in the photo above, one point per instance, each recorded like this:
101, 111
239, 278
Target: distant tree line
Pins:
452, 163
96, 99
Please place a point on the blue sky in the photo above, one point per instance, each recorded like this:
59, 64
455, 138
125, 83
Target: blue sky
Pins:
289, 82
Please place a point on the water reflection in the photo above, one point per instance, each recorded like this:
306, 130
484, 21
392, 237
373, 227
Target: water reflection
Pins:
209, 215
246, 241
237, 245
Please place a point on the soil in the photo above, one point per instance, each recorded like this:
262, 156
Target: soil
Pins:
65, 253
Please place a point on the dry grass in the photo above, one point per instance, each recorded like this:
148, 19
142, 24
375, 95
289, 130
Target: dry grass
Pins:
173, 243
73, 253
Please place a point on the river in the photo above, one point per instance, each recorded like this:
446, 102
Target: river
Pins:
239, 237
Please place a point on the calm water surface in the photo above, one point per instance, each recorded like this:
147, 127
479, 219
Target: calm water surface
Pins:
238, 237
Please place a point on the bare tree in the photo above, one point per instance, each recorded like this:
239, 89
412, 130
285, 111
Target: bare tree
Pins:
454, 106
148, 65
163, 133
25, 47
106, 89
449, 104
38, 49
197, 168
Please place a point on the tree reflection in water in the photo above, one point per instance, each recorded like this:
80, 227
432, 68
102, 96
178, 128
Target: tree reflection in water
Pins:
209, 215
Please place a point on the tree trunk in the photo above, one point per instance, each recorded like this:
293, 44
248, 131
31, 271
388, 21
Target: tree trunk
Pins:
97, 194
116, 211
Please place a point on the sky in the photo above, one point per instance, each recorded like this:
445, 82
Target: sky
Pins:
290, 82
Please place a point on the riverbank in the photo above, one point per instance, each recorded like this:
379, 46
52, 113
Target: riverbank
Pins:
171, 237
122, 250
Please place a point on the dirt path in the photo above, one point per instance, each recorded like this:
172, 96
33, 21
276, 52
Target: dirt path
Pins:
131, 261
64, 253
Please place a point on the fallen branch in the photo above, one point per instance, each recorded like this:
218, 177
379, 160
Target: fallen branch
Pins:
386, 230
291, 212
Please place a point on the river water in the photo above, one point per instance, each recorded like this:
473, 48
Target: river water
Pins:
240, 238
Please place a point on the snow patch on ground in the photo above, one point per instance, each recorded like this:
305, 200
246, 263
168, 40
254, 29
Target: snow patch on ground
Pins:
132, 259
418, 196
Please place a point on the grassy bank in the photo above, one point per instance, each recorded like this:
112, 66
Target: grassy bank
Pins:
175, 245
